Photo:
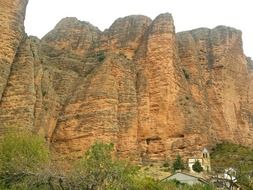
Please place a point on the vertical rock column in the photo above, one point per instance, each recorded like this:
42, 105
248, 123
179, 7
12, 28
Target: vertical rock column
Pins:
17, 107
158, 89
12, 15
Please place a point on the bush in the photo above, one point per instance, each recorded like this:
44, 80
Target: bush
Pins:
166, 164
147, 183
20, 150
100, 56
186, 74
176, 185
22, 154
197, 167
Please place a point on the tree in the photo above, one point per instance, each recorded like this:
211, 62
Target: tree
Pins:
197, 167
99, 169
178, 164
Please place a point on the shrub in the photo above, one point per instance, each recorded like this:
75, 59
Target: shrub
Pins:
19, 150
186, 74
44, 93
101, 56
166, 164
176, 185
140, 183
22, 154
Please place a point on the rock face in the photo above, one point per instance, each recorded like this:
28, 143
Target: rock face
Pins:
138, 84
219, 81
12, 15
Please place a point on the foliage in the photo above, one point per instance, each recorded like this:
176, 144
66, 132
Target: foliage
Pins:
44, 93
24, 163
147, 183
197, 167
99, 170
22, 154
22, 150
176, 185
228, 155
186, 74
166, 164
100, 56
178, 164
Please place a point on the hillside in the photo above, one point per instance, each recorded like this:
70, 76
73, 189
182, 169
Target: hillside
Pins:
227, 155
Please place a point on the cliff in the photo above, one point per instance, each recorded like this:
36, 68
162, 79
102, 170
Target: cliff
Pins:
138, 84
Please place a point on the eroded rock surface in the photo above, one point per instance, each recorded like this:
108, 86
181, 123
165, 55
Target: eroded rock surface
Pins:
138, 84
12, 15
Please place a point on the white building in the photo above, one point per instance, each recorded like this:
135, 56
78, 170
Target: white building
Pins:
230, 174
204, 161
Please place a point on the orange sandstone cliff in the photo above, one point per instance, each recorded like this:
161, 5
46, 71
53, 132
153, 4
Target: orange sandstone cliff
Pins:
138, 84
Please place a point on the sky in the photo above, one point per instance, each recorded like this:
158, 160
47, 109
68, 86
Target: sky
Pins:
43, 15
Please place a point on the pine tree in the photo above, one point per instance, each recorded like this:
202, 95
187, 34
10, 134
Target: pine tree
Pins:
178, 164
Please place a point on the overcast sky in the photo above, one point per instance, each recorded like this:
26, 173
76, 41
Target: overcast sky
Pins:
43, 15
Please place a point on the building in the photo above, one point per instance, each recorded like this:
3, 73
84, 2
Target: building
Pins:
186, 178
204, 160
230, 174
226, 180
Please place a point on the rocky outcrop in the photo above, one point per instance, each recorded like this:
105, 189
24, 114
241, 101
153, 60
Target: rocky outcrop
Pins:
138, 84
71, 37
125, 35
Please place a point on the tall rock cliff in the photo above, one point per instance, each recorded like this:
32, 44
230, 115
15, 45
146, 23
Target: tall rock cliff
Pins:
219, 81
12, 15
138, 84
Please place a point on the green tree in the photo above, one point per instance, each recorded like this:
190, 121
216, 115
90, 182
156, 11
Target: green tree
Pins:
178, 164
197, 167
99, 169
